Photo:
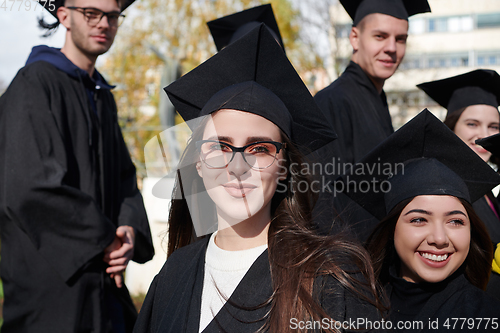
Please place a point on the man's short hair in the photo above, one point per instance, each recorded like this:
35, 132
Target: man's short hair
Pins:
362, 24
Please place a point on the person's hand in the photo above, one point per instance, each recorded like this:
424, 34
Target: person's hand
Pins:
119, 253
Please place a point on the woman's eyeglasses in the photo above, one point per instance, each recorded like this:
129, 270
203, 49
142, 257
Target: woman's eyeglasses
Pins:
258, 155
94, 16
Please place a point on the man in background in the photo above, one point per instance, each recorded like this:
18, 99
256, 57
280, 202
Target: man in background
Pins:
355, 104
71, 215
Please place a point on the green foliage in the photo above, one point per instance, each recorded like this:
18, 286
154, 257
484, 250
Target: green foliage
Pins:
138, 300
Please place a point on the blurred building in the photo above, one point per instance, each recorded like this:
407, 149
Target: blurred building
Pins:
457, 37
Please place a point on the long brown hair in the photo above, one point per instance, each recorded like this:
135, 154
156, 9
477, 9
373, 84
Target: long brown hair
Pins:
477, 265
297, 254
452, 118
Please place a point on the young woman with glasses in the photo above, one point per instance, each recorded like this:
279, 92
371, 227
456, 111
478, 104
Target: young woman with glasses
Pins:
264, 268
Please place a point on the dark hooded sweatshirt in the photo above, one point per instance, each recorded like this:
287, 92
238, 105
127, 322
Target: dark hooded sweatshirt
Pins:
66, 183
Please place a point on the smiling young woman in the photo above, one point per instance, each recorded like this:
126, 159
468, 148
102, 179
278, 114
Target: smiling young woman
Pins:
263, 268
430, 250
473, 123
432, 238
472, 101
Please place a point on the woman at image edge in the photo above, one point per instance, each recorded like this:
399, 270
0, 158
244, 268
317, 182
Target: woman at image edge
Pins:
264, 269
472, 100
430, 250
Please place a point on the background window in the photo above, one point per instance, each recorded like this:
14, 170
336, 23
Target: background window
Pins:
431, 25
417, 26
467, 23
454, 24
488, 20
442, 24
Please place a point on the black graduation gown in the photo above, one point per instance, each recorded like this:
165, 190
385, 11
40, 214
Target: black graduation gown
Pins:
442, 302
492, 223
493, 287
67, 182
360, 117
173, 302
357, 112
490, 220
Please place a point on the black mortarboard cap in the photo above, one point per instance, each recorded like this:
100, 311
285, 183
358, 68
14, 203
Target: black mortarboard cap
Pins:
53, 5
491, 143
481, 86
227, 29
401, 9
254, 75
424, 157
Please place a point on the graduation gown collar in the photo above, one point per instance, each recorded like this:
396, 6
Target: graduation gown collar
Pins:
55, 57
434, 295
363, 79
425, 288
245, 310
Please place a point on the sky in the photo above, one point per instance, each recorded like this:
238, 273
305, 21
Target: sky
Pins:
19, 32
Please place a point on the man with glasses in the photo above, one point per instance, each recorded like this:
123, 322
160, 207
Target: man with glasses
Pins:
71, 216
